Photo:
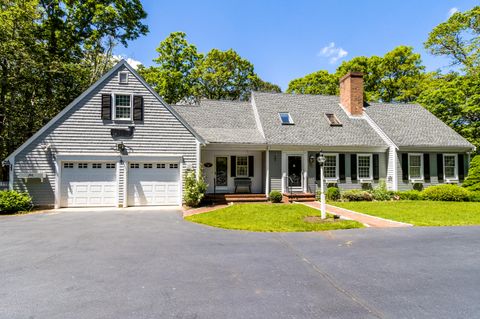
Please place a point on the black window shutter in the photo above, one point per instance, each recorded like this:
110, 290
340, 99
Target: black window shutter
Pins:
233, 166
440, 167
353, 166
251, 168
341, 168
426, 167
376, 167
317, 167
106, 106
461, 167
405, 166
138, 108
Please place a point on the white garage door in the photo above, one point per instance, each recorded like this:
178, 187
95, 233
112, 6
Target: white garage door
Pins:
153, 184
86, 184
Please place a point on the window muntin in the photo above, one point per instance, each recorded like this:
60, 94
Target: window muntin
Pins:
175, 165
364, 166
110, 165
97, 165
82, 165
285, 118
330, 166
161, 165
332, 119
67, 165
148, 165
134, 165
123, 107
415, 166
242, 166
450, 166
123, 77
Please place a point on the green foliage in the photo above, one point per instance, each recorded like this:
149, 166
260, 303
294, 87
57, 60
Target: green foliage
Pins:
474, 196
333, 193
275, 197
472, 182
320, 82
409, 195
459, 39
195, 189
172, 78
264, 86
446, 192
380, 192
13, 202
356, 195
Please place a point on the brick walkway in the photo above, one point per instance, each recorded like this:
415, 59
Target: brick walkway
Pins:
367, 220
194, 211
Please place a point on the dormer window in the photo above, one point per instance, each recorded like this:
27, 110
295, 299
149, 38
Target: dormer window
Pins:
332, 119
285, 118
123, 77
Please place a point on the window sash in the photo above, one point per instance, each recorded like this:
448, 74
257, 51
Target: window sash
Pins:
450, 166
364, 166
123, 107
330, 166
242, 166
415, 166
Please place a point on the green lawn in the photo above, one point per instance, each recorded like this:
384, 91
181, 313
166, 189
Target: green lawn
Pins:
270, 218
420, 213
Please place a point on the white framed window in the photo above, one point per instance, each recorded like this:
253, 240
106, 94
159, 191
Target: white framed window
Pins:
173, 165
110, 165
161, 165
364, 166
242, 166
330, 168
450, 166
122, 107
123, 77
134, 165
67, 165
285, 118
97, 165
82, 165
148, 165
415, 166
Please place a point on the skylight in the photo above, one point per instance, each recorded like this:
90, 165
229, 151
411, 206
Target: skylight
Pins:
332, 119
285, 118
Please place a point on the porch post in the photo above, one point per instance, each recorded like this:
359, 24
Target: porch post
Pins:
267, 173
197, 168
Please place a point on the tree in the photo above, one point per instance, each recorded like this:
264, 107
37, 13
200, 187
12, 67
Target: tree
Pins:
472, 182
459, 39
264, 86
224, 75
320, 82
370, 67
172, 78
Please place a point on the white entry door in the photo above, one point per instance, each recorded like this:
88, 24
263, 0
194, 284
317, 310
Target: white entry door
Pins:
88, 184
153, 184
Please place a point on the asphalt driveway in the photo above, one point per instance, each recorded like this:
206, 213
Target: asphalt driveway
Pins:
152, 264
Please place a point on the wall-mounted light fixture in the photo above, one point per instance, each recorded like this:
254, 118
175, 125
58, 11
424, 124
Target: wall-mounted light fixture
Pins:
312, 159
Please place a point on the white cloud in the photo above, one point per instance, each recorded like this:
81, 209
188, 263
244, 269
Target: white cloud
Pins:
134, 63
452, 11
333, 53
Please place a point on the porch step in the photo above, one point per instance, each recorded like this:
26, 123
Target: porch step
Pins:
239, 198
299, 197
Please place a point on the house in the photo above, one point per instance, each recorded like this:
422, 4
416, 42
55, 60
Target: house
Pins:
119, 144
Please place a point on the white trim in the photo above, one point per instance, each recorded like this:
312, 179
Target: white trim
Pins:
58, 179
379, 131
267, 172
285, 155
105, 157
180, 184
421, 177
394, 168
290, 119
450, 179
114, 104
119, 77
117, 176
236, 166
197, 161
125, 184
337, 167
222, 187
257, 116
11, 174
358, 166
91, 89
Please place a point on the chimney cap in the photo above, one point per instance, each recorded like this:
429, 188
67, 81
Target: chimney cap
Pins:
351, 75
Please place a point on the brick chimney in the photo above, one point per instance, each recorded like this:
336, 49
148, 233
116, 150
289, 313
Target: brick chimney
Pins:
351, 93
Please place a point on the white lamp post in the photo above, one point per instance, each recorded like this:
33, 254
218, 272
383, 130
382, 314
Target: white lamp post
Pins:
321, 160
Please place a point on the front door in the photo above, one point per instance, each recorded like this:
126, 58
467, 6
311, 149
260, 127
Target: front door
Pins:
221, 170
295, 173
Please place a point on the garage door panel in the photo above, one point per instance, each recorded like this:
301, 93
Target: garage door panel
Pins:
153, 186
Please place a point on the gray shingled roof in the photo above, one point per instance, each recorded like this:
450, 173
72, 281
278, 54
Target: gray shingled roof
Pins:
222, 121
311, 127
411, 125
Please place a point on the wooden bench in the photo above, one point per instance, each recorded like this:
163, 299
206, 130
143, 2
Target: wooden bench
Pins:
243, 182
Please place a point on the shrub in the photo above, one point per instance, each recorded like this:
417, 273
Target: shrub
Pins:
356, 195
472, 182
446, 192
275, 197
13, 201
195, 189
409, 195
380, 192
474, 196
333, 193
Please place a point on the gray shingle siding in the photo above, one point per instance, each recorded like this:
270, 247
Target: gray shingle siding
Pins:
275, 169
82, 130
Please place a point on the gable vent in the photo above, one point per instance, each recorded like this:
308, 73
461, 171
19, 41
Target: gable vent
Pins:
332, 119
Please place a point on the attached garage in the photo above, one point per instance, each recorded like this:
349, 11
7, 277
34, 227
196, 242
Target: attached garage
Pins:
88, 184
153, 183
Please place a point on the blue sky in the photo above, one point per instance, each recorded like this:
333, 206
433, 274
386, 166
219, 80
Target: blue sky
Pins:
289, 39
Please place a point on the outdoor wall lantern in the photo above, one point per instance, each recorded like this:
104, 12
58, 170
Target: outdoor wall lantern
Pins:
312, 159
